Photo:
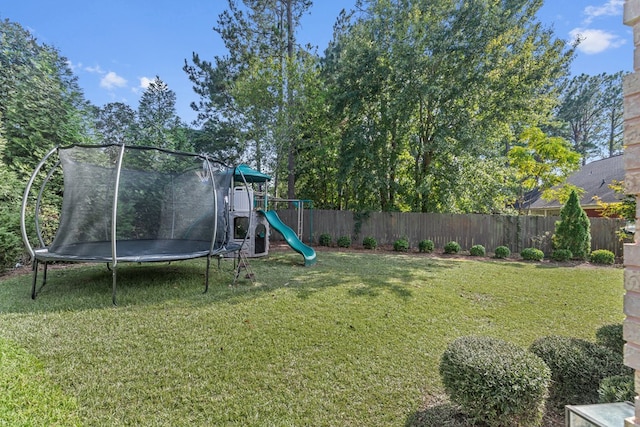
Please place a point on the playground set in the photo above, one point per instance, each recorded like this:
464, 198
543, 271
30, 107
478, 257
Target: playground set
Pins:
252, 220
142, 204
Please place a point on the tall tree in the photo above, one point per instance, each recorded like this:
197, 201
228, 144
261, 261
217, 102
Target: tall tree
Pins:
591, 111
159, 125
580, 110
254, 86
612, 108
40, 101
542, 162
116, 123
432, 83
11, 246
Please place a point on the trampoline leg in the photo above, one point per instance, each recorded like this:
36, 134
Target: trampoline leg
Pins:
113, 291
206, 275
35, 279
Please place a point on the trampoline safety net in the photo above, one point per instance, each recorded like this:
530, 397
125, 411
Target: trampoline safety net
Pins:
154, 204
165, 206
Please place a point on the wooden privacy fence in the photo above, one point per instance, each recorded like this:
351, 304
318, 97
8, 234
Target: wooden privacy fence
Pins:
491, 231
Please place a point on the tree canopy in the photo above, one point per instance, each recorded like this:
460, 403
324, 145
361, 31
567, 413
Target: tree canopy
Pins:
429, 94
41, 104
415, 105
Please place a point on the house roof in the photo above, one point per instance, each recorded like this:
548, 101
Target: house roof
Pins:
595, 179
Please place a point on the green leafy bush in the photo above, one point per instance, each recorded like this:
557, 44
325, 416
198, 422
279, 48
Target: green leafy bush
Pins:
477, 250
610, 336
577, 367
619, 388
401, 245
452, 248
502, 252
324, 239
369, 243
602, 256
561, 255
11, 246
573, 231
495, 382
344, 241
426, 245
532, 254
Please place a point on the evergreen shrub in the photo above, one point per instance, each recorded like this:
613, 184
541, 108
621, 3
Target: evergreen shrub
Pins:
577, 368
502, 252
11, 245
610, 336
573, 231
561, 255
602, 256
452, 248
477, 250
344, 241
619, 388
401, 245
495, 382
369, 243
324, 239
426, 245
532, 254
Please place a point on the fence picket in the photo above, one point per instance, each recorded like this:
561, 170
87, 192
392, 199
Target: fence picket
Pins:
491, 231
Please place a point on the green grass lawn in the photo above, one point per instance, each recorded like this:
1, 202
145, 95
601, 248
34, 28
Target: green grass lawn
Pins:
354, 340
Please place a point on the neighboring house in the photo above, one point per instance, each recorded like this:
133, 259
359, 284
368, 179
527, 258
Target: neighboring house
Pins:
595, 179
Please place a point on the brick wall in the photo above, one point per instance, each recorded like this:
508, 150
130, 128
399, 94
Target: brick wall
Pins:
632, 184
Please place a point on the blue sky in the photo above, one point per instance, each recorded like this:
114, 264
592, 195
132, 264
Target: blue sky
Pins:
115, 47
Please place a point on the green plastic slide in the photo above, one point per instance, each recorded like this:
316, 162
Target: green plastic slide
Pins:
290, 236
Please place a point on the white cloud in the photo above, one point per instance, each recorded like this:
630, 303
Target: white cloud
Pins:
73, 67
95, 69
610, 8
595, 41
144, 82
112, 80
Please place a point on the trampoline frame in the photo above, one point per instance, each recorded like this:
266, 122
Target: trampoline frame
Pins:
122, 250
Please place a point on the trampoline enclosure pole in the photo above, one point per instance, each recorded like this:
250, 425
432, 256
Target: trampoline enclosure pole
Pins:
114, 214
25, 200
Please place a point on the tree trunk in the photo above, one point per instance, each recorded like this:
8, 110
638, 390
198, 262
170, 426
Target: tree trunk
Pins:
291, 161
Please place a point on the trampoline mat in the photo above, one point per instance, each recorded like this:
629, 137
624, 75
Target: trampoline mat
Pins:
130, 251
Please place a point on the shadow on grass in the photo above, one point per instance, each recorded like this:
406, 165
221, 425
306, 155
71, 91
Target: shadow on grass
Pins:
442, 414
88, 286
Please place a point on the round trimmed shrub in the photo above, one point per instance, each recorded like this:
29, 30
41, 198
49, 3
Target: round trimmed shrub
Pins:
577, 367
561, 255
369, 243
502, 252
532, 254
495, 382
401, 245
324, 239
426, 245
610, 336
452, 248
619, 388
602, 256
344, 242
477, 250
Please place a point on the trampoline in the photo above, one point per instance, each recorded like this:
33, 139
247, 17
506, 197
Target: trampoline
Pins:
130, 204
